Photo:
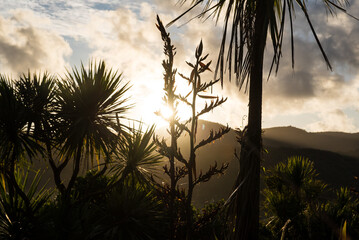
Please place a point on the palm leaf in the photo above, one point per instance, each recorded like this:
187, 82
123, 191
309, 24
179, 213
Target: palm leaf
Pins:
14, 141
238, 29
90, 101
136, 155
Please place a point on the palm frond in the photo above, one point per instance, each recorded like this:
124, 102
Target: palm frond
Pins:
14, 141
37, 94
16, 219
238, 31
90, 102
136, 155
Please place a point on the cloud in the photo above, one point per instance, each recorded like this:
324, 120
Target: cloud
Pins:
68, 18
23, 46
310, 88
129, 41
335, 120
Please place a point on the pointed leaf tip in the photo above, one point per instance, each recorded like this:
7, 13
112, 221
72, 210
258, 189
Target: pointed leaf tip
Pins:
199, 49
206, 66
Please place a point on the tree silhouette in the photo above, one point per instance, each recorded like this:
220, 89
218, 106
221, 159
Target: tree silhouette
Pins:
249, 22
37, 93
18, 218
89, 103
342, 215
199, 89
15, 141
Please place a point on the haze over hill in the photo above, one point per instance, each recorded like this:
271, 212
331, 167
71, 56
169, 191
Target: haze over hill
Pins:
335, 156
339, 142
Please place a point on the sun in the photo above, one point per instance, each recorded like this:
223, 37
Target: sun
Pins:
165, 113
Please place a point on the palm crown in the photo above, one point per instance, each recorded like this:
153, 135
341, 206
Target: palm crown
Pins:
89, 102
14, 141
239, 27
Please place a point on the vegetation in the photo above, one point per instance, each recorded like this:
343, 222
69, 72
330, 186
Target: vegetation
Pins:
114, 191
177, 127
171, 102
247, 25
296, 207
292, 194
74, 124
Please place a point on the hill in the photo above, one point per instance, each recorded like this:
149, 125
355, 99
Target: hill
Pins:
335, 156
338, 142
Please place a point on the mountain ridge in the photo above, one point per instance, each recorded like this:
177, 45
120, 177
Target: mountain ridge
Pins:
335, 160
335, 156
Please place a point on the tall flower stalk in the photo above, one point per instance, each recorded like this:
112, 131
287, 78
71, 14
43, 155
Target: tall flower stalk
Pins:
171, 101
177, 127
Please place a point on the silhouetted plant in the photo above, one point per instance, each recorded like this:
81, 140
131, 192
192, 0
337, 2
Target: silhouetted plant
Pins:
163, 191
342, 211
210, 223
15, 141
171, 101
291, 196
132, 211
247, 24
92, 188
37, 94
135, 155
18, 219
198, 90
89, 103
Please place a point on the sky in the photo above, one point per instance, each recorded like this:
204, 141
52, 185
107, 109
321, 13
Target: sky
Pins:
53, 36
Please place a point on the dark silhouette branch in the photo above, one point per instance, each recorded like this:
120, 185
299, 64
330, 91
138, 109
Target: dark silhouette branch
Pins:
213, 136
207, 108
212, 171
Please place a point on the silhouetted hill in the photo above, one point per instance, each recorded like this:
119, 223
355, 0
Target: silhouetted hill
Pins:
343, 143
335, 156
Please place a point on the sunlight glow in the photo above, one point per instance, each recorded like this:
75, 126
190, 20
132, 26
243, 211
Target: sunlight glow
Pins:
166, 112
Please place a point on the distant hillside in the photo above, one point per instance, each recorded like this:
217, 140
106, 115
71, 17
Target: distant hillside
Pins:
335, 155
338, 142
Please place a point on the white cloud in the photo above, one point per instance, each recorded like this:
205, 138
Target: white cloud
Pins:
311, 88
133, 46
128, 40
23, 46
335, 120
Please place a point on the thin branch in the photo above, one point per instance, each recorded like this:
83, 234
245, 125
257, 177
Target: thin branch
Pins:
213, 136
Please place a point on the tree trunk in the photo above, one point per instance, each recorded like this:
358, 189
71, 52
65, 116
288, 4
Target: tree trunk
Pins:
55, 170
173, 180
74, 173
189, 213
247, 221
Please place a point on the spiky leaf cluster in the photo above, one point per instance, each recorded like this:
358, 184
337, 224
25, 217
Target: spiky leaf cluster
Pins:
236, 47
